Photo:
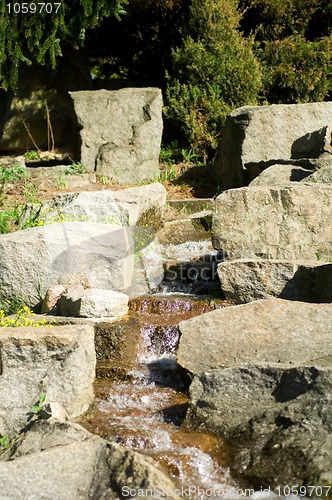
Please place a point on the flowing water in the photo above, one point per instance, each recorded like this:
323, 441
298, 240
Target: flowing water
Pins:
141, 399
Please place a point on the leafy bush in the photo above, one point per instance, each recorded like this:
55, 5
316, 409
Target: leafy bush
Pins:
214, 71
296, 70
276, 19
293, 44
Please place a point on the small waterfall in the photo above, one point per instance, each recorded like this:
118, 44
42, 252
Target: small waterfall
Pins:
191, 268
145, 409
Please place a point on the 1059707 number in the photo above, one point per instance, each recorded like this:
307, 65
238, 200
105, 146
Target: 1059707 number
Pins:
33, 8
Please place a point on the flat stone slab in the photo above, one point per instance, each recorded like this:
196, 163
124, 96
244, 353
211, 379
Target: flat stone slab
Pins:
244, 280
264, 331
58, 362
140, 205
194, 227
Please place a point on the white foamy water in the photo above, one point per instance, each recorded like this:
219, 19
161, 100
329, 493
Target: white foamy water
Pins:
188, 251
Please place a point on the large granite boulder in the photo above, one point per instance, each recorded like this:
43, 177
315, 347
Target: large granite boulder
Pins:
290, 443
245, 280
224, 400
69, 462
58, 362
264, 331
256, 137
96, 255
120, 132
286, 222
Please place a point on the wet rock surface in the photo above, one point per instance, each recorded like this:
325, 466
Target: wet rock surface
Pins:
194, 227
141, 401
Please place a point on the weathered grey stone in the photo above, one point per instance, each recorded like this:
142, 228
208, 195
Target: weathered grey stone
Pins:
130, 207
256, 137
50, 302
135, 471
58, 362
286, 222
278, 175
289, 443
264, 331
120, 132
277, 418
194, 227
94, 303
244, 280
69, 462
323, 175
97, 255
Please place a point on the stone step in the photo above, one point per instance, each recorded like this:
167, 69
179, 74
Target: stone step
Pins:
190, 206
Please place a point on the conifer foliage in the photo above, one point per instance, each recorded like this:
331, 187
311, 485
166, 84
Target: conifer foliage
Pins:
214, 71
37, 34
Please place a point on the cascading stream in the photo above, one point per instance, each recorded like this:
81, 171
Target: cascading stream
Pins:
144, 407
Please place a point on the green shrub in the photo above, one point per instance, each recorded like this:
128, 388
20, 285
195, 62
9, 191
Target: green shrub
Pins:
296, 70
277, 19
293, 45
214, 71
